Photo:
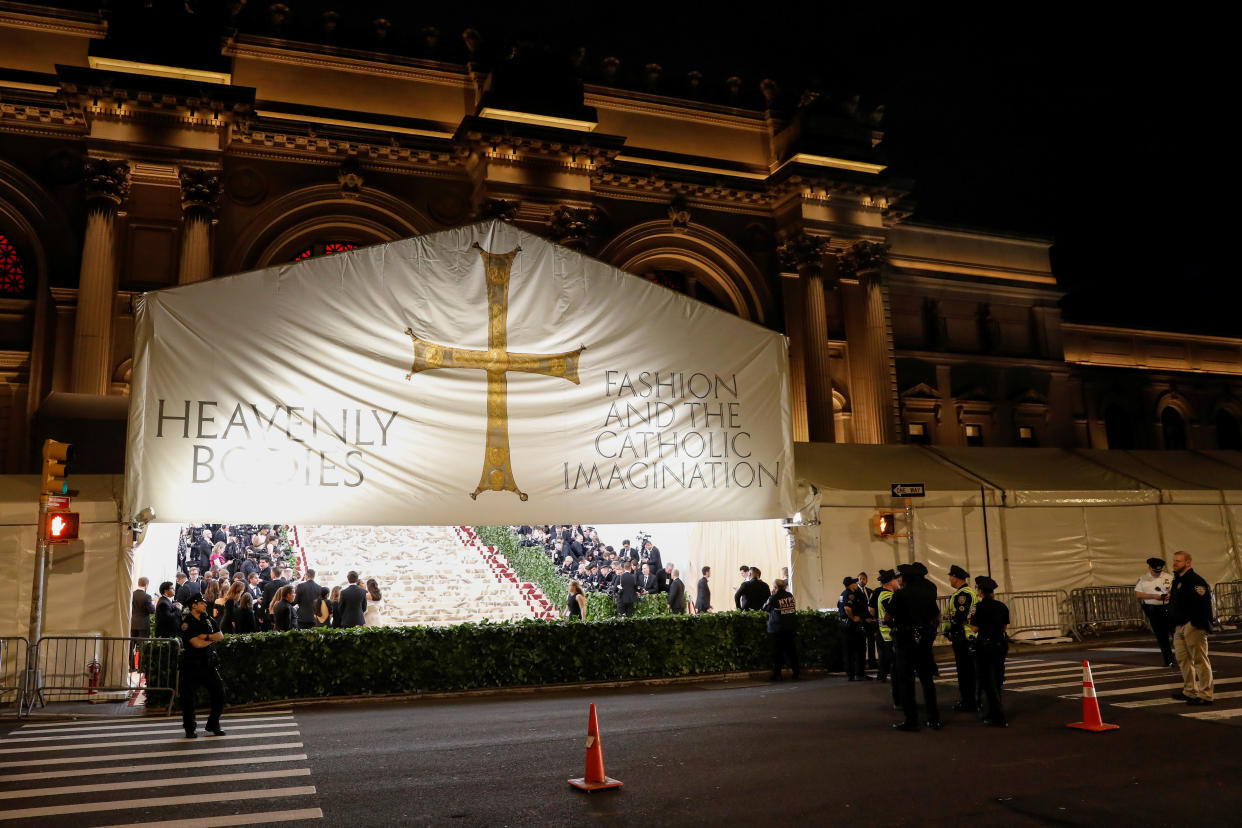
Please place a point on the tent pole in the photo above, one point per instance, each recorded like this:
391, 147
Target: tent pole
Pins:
987, 546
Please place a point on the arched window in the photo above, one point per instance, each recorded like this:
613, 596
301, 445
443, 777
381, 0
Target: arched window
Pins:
12, 275
1118, 429
1228, 433
325, 249
1173, 427
688, 285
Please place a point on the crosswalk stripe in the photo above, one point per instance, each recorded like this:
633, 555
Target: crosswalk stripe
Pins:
1095, 672
230, 819
146, 742
952, 667
123, 733
100, 787
1214, 714
190, 748
229, 720
194, 799
263, 757
1233, 694
123, 720
1151, 688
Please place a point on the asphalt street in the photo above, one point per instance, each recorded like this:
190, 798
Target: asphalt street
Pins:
815, 752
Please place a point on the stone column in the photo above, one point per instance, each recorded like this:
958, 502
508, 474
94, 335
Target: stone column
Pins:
107, 185
200, 198
872, 372
804, 254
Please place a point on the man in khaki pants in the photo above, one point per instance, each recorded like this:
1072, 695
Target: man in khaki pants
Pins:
1190, 613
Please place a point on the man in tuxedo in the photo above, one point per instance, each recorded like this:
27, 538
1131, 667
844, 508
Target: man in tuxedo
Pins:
221, 535
676, 595
254, 588
627, 554
307, 596
629, 592
753, 594
703, 598
652, 554
167, 615
269, 593
352, 607
140, 611
665, 577
266, 573
649, 584
186, 587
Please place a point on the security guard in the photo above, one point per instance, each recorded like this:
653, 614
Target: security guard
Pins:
853, 611
200, 666
1153, 590
879, 609
914, 618
961, 636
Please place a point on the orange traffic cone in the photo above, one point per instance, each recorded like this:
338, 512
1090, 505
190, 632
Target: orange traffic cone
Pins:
1090, 705
594, 779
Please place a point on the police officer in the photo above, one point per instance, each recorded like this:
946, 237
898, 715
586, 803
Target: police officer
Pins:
1190, 612
914, 617
961, 636
988, 619
853, 611
879, 610
1153, 590
782, 629
200, 666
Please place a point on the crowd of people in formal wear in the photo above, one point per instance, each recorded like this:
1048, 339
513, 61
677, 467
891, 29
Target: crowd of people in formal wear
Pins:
249, 586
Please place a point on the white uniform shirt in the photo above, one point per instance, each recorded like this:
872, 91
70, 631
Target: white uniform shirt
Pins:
1159, 584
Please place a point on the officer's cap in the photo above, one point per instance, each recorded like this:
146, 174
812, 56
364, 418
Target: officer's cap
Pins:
197, 598
847, 580
886, 575
956, 571
1156, 563
915, 568
985, 583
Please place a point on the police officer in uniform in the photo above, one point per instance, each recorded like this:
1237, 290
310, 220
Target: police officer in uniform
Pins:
1153, 590
853, 611
961, 636
988, 619
782, 629
1190, 612
914, 617
879, 610
200, 666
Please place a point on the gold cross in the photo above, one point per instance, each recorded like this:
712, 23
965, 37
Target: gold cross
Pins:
497, 473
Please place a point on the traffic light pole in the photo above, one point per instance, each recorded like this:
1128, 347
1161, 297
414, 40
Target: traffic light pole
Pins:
910, 527
30, 687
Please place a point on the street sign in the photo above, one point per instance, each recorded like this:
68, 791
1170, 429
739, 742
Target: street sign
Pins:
908, 490
57, 503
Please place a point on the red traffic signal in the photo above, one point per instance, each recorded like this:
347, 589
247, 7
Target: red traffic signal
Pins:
60, 527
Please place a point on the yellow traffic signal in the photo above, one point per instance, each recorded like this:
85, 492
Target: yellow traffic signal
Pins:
882, 524
55, 456
62, 526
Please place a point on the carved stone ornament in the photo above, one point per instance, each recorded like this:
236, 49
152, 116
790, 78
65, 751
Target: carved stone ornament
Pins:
800, 250
106, 182
679, 212
200, 192
349, 175
573, 227
499, 208
862, 260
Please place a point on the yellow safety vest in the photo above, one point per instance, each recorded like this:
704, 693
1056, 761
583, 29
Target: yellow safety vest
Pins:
954, 621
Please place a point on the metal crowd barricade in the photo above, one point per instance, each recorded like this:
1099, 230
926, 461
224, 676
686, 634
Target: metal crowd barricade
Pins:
1227, 602
13, 654
82, 667
1100, 609
1042, 610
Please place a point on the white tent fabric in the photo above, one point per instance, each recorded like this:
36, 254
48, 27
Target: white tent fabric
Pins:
475, 375
89, 582
1055, 519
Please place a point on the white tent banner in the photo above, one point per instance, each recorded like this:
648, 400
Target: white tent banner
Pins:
480, 374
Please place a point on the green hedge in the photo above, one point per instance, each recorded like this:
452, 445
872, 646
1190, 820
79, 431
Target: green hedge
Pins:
532, 564
382, 660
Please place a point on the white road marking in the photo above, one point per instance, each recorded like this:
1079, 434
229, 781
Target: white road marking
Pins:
123, 733
232, 819
142, 719
115, 728
199, 746
263, 757
1095, 671
1125, 649
1233, 694
145, 742
191, 800
1151, 688
142, 784
1214, 714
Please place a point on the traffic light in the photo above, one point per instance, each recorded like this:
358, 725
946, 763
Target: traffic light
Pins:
55, 456
60, 527
882, 524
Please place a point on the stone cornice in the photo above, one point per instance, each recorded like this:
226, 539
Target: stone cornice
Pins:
604, 97
1107, 330
962, 358
313, 148
291, 53
59, 21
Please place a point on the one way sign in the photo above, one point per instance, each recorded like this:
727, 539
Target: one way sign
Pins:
908, 490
